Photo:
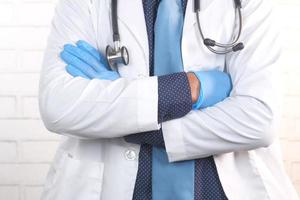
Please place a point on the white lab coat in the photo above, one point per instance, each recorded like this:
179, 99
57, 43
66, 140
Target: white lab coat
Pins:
94, 162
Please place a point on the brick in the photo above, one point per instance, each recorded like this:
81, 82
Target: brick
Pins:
289, 61
25, 130
25, 174
7, 106
38, 151
287, 127
6, 13
289, 38
8, 60
291, 106
287, 167
292, 84
18, 84
291, 150
9, 174
28, 38
290, 12
31, 60
8, 152
32, 193
296, 133
295, 171
43, 10
30, 107
9, 193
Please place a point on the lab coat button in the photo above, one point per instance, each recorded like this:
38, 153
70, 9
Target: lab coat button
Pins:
130, 154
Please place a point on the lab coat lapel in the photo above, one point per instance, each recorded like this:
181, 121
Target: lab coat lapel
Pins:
190, 17
187, 36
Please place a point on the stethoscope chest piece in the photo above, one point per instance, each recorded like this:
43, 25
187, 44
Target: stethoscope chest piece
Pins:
117, 56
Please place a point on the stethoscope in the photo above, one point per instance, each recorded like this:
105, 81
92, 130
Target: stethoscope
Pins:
234, 45
119, 55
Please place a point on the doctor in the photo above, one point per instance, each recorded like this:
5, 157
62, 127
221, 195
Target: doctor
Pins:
174, 134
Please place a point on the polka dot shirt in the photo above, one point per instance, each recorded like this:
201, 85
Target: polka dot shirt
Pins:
174, 102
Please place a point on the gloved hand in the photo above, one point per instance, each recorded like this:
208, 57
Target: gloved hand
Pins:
85, 61
215, 87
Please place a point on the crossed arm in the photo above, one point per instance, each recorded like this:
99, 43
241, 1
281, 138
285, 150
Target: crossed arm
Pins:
79, 107
178, 93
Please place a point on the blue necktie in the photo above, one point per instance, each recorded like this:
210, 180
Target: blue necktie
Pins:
169, 180
206, 180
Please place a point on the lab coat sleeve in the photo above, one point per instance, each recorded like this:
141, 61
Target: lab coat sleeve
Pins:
90, 108
246, 120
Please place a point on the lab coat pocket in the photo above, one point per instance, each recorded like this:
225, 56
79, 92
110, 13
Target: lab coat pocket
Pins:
73, 179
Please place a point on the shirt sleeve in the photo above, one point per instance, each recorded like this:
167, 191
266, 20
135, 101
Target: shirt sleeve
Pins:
174, 96
154, 138
174, 101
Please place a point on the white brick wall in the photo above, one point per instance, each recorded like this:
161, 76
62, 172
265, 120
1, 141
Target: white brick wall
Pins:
26, 148
290, 68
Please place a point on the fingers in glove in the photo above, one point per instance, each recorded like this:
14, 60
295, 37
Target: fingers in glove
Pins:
93, 51
79, 64
85, 57
108, 75
76, 72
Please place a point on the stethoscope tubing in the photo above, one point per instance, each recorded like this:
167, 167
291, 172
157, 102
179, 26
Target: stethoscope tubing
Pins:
227, 47
114, 20
117, 55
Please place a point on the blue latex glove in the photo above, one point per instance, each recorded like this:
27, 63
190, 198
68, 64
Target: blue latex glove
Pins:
215, 87
85, 61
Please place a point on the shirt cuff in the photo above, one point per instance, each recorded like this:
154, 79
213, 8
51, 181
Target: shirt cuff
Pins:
153, 138
174, 96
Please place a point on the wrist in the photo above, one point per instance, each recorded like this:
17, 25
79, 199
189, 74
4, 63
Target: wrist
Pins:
195, 85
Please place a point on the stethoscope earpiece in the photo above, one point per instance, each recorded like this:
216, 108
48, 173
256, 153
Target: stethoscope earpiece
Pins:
209, 42
240, 46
